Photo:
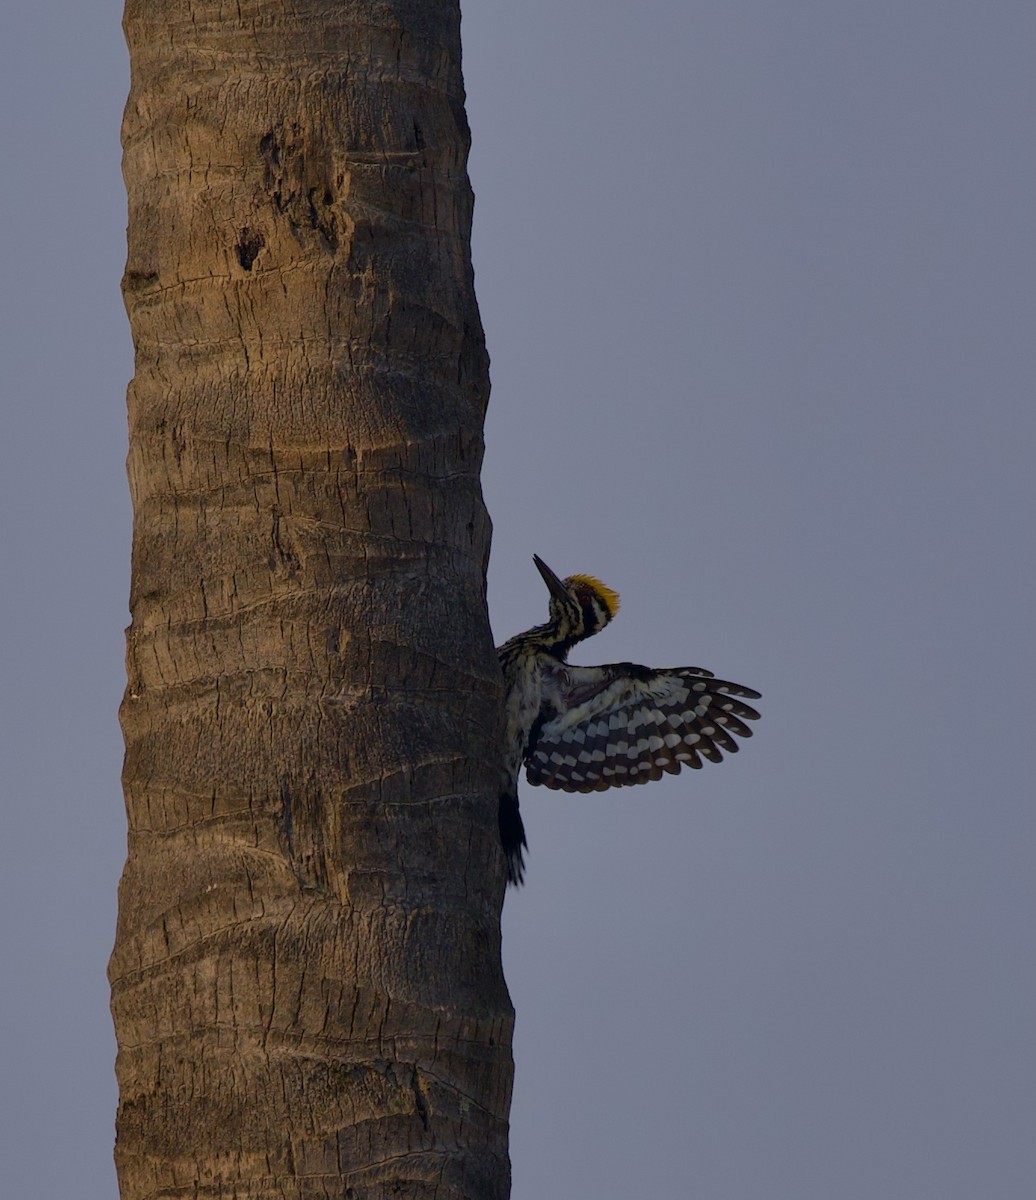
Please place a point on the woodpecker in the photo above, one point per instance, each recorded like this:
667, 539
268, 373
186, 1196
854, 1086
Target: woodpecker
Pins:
584, 729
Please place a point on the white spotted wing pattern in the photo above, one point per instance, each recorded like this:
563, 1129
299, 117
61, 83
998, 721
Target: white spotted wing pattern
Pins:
620, 724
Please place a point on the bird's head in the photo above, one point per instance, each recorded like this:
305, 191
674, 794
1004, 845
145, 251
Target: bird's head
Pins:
579, 605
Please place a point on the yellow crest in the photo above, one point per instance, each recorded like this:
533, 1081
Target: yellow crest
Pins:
608, 598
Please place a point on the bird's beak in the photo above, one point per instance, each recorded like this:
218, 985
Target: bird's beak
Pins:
557, 588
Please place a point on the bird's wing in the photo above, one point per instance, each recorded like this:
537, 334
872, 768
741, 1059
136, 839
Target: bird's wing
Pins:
620, 724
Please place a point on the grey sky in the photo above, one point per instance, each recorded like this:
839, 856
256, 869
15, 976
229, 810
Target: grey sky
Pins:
756, 281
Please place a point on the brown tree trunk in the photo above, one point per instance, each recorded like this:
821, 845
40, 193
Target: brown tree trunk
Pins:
306, 980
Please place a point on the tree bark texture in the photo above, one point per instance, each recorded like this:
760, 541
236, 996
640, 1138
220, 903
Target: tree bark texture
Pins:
306, 980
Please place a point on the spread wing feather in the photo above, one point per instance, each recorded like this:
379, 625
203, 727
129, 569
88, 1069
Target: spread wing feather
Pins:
620, 724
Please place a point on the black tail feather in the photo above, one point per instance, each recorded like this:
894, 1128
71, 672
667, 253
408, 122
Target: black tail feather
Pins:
512, 838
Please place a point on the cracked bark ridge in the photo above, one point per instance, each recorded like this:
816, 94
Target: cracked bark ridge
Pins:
306, 980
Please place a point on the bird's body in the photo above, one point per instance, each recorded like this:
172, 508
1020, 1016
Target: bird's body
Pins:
583, 729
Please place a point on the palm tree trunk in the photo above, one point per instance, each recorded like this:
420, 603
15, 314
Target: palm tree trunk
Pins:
306, 980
